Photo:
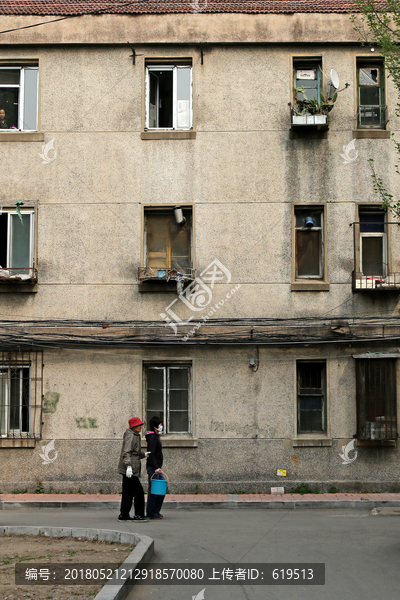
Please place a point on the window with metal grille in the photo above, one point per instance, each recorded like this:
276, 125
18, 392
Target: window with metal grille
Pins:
373, 242
309, 242
167, 394
20, 394
169, 95
376, 398
18, 98
311, 397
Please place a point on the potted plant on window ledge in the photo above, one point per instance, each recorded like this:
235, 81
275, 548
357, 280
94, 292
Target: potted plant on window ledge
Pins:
311, 112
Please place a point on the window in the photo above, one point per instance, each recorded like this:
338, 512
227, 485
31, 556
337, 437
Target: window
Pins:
372, 112
309, 242
307, 75
169, 96
16, 246
18, 98
168, 244
14, 401
376, 398
167, 390
311, 397
373, 243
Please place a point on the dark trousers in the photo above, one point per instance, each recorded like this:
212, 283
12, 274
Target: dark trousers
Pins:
154, 501
132, 488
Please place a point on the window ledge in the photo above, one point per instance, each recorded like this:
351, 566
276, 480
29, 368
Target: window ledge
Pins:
379, 443
310, 286
179, 442
17, 288
17, 443
168, 135
20, 136
372, 134
312, 442
158, 286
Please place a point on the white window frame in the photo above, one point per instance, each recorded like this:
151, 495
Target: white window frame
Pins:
7, 387
174, 69
165, 368
384, 250
21, 99
31, 237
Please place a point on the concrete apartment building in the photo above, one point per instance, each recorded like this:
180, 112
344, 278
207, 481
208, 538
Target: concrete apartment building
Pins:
189, 230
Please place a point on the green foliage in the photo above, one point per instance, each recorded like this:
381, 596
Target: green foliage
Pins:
24, 491
381, 28
305, 106
304, 488
333, 490
39, 488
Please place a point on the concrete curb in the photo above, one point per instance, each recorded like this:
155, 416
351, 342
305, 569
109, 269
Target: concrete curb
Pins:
112, 590
226, 504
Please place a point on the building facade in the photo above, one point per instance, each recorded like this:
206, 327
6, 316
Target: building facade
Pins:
189, 229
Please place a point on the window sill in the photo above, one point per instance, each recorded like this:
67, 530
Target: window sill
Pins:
179, 442
372, 134
310, 286
20, 136
17, 288
312, 442
379, 443
17, 443
158, 286
168, 135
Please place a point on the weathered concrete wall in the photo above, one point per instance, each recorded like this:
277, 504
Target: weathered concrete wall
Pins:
242, 173
244, 424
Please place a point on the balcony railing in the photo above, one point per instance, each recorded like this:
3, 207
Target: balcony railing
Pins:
376, 283
372, 116
18, 275
161, 274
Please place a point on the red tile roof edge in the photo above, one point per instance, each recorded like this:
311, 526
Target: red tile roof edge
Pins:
71, 8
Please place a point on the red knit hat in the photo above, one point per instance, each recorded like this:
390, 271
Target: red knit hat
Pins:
134, 422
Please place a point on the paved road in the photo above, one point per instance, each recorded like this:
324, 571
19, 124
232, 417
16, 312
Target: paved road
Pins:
361, 551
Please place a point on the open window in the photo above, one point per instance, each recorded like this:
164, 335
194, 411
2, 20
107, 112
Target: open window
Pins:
168, 395
18, 98
169, 95
17, 261
376, 397
372, 110
371, 251
311, 397
167, 245
309, 242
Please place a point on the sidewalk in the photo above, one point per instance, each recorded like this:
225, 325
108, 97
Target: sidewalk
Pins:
231, 501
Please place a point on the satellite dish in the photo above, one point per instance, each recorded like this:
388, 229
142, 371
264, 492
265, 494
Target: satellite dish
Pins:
334, 79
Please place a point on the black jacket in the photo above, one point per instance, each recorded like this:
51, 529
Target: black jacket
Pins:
154, 446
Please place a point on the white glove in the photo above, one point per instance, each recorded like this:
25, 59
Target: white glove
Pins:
147, 453
129, 471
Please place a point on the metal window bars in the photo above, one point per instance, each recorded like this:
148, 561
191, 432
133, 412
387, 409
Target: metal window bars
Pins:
372, 116
21, 392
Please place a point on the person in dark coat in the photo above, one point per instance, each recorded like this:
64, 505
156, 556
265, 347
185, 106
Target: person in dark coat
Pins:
129, 467
153, 466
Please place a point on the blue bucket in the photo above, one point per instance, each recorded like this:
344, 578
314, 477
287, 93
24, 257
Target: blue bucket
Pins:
159, 486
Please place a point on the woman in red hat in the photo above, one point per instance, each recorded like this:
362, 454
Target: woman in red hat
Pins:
129, 467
